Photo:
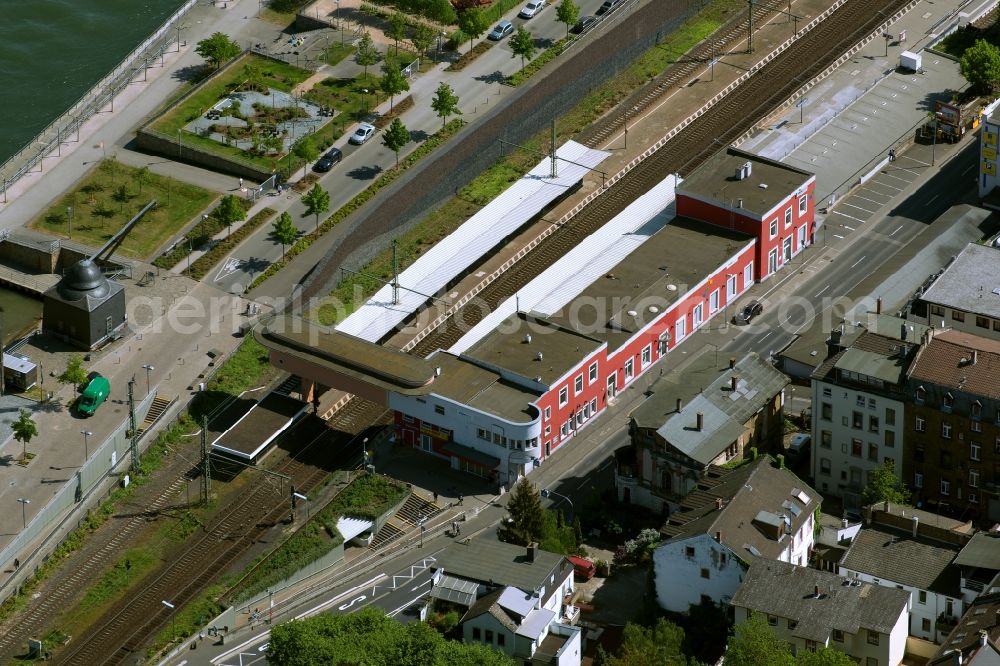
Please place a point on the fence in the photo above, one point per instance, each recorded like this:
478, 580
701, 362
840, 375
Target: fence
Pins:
101, 95
103, 462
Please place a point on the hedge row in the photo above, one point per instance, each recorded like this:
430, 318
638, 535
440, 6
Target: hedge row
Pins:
526, 72
198, 235
205, 262
362, 197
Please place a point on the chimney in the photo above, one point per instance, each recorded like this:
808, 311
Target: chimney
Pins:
531, 551
527, 339
984, 637
718, 505
699, 421
844, 522
816, 591
916, 526
718, 536
732, 362
733, 381
739, 203
739, 174
878, 305
680, 403
975, 357
748, 168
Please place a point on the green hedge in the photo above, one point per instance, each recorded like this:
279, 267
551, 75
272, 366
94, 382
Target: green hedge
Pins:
198, 235
207, 261
440, 11
362, 197
543, 59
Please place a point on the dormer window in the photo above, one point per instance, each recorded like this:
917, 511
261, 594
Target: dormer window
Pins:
921, 394
947, 402
977, 410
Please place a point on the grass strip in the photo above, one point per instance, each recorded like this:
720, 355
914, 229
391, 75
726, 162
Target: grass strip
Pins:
203, 264
549, 54
469, 56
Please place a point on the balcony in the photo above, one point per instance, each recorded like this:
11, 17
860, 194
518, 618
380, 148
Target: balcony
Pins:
570, 616
945, 623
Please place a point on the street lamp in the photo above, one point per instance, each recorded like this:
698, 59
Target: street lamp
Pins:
172, 617
24, 518
364, 93
546, 492
423, 528
86, 444
148, 368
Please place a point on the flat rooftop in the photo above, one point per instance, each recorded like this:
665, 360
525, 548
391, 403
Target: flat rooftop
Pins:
465, 382
971, 282
767, 185
534, 348
251, 434
660, 271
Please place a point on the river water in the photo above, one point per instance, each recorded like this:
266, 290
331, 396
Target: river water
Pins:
53, 51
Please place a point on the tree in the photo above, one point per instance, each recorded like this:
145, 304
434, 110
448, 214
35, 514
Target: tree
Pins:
754, 643
824, 657
217, 49
397, 28
569, 13
366, 54
883, 486
24, 430
254, 76
141, 177
395, 137
317, 202
392, 82
980, 65
229, 211
522, 44
305, 150
74, 373
423, 36
445, 103
284, 231
659, 645
472, 23
527, 519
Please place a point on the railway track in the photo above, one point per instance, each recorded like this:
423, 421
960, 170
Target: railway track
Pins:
712, 131
121, 632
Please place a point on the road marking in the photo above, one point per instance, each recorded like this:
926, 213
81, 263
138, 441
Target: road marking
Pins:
329, 602
353, 601
897, 229
262, 647
971, 167
851, 217
846, 203
857, 262
417, 587
847, 227
821, 291
932, 198
765, 336
838, 236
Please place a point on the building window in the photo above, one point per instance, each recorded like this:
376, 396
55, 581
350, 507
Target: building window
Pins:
489, 636
982, 322
500, 639
826, 411
772, 620
629, 369
578, 385
563, 396
925, 624
945, 487
810, 645
593, 407
439, 409
856, 446
890, 417
713, 301
976, 410
689, 551
872, 424
872, 637
825, 439
548, 430
680, 329
957, 316
592, 373
937, 310
974, 478
857, 420
803, 204
827, 392
920, 425
872, 451
697, 316
947, 402
974, 451
921, 393
476, 634
788, 218
975, 426
918, 480
946, 431
890, 439
824, 466
773, 230
704, 573
922, 596
647, 355
483, 434
548, 413
838, 635
859, 400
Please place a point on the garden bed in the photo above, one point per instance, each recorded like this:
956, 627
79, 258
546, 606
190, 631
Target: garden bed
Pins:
463, 60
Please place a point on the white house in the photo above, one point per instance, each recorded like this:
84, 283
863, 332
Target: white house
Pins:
735, 516
812, 609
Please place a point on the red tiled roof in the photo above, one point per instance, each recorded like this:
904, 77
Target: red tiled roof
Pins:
946, 361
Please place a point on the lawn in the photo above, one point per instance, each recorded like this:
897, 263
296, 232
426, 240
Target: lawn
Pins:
110, 195
336, 52
347, 96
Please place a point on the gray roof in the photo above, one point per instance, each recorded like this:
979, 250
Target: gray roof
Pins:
490, 561
982, 552
754, 499
488, 604
971, 283
725, 411
874, 355
894, 555
788, 591
981, 615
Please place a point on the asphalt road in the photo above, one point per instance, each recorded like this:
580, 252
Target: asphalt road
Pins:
477, 86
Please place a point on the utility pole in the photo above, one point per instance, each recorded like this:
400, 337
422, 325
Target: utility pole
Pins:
206, 467
395, 275
555, 168
133, 427
750, 28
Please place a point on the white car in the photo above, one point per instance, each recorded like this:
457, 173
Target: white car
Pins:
532, 8
362, 134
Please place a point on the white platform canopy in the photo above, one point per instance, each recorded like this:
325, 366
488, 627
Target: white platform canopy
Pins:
352, 527
449, 258
577, 269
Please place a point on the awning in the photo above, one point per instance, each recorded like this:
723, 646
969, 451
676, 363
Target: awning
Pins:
455, 590
471, 454
352, 527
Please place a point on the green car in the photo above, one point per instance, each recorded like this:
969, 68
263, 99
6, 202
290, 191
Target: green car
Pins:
97, 391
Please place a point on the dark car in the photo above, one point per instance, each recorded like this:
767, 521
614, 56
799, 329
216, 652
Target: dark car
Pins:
325, 163
609, 6
747, 313
583, 24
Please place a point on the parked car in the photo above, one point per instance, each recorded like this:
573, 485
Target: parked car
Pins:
362, 134
325, 163
748, 313
532, 8
798, 448
609, 6
583, 568
96, 393
583, 24
503, 29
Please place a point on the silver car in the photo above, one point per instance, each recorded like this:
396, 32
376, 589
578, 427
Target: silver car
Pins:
362, 134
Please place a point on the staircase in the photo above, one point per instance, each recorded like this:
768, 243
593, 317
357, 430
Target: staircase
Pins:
289, 386
414, 509
156, 410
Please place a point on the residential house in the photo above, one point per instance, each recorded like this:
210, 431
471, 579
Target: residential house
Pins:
975, 641
812, 609
857, 398
695, 418
979, 563
965, 296
903, 548
832, 540
759, 510
952, 425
